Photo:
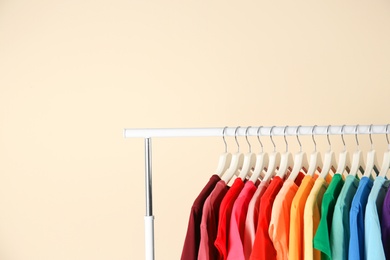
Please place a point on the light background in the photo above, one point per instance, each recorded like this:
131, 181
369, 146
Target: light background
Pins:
73, 74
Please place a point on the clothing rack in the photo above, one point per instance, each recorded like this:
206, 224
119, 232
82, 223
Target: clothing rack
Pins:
149, 133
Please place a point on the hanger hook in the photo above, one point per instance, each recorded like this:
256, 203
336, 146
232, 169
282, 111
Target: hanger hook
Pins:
297, 133
235, 137
370, 132
387, 137
258, 138
285, 139
342, 137
327, 136
246, 137
270, 136
356, 136
312, 136
223, 137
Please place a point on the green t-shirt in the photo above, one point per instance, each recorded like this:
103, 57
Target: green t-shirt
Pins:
339, 234
322, 237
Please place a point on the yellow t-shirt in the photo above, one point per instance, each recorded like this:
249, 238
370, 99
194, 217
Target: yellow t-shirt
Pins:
295, 250
312, 216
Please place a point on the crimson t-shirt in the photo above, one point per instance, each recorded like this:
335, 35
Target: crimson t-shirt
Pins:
225, 212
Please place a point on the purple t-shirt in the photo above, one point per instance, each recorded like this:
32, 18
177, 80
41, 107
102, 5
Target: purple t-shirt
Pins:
385, 225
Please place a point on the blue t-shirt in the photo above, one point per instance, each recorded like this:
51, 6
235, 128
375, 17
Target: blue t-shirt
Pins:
372, 229
356, 219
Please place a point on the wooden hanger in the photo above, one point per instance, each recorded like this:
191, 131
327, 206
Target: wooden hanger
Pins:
249, 160
357, 166
372, 162
261, 161
224, 159
329, 159
286, 161
274, 160
386, 159
315, 163
344, 163
300, 160
236, 162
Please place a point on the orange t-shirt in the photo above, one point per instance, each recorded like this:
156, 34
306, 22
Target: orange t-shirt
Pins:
279, 226
295, 250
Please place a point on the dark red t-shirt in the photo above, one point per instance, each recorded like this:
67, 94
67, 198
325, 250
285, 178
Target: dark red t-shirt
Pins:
192, 240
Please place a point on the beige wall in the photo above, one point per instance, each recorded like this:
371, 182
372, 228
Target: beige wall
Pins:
73, 74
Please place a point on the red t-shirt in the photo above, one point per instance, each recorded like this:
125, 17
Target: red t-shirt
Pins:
225, 212
192, 240
263, 248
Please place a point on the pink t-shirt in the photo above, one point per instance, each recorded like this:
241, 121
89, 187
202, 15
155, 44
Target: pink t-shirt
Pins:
237, 222
252, 217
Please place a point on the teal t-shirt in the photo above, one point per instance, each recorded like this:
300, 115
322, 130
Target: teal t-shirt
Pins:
372, 235
322, 237
339, 233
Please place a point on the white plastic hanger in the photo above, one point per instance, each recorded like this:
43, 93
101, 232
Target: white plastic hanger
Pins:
329, 159
300, 160
344, 163
286, 161
274, 160
357, 166
315, 163
249, 160
372, 162
224, 159
261, 161
386, 158
236, 162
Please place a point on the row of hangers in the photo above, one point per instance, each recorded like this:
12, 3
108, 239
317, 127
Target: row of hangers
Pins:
265, 166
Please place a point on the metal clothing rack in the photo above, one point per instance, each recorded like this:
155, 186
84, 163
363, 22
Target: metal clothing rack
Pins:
149, 133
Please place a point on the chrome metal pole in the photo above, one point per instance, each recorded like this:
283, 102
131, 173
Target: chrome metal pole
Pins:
149, 218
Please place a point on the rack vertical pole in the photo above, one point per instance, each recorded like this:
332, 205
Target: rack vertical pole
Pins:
149, 218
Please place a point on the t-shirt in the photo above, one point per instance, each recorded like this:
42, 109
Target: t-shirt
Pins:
252, 218
385, 227
192, 239
263, 247
373, 245
279, 226
295, 241
225, 212
339, 233
237, 222
209, 223
356, 219
311, 217
322, 237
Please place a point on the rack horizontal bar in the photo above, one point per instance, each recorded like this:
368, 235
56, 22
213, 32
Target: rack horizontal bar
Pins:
254, 131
